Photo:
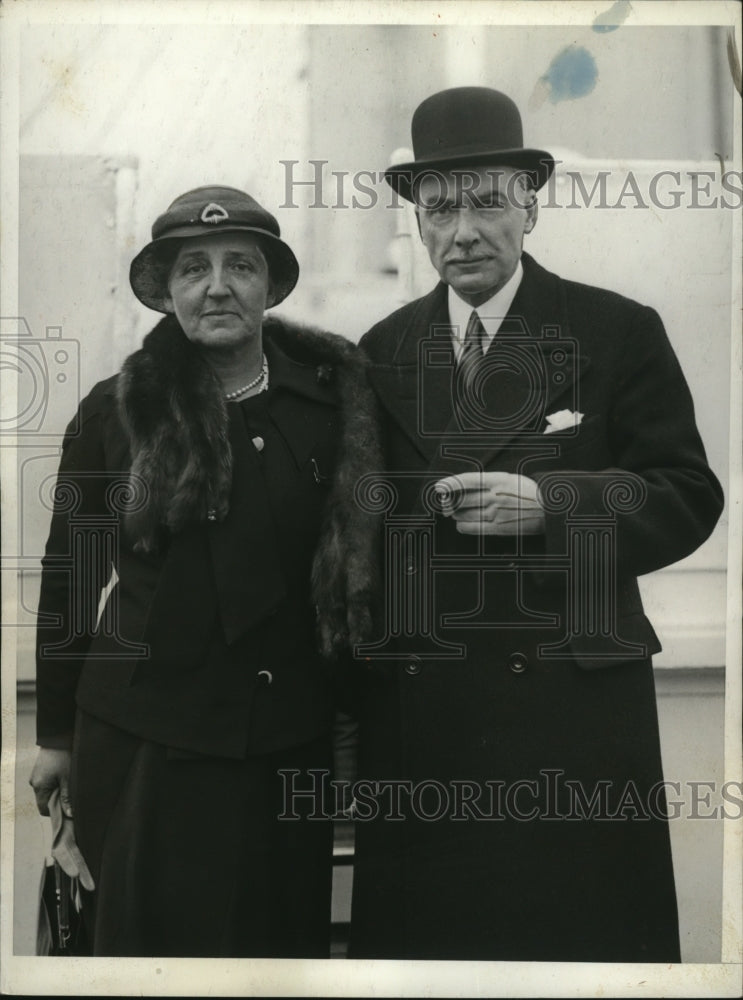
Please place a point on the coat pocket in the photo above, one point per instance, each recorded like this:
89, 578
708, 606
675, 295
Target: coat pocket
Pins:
634, 632
588, 431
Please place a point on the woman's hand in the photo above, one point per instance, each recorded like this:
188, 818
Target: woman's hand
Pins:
50, 780
52, 770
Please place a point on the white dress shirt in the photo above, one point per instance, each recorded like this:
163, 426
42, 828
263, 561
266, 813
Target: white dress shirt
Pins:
491, 313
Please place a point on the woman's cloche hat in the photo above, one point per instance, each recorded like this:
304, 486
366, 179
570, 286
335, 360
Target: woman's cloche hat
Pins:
464, 127
204, 212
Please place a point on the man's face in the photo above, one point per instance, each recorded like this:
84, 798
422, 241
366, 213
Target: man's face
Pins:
219, 287
472, 223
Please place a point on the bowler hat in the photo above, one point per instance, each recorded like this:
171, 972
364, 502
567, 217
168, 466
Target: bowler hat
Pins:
463, 127
206, 211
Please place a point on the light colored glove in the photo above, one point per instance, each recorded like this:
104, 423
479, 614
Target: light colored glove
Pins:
50, 780
492, 503
64, 847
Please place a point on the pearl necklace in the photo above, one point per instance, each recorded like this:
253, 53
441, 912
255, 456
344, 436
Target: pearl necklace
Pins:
262, 376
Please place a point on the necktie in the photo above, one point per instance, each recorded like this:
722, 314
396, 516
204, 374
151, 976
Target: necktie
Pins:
465, 402
472, 349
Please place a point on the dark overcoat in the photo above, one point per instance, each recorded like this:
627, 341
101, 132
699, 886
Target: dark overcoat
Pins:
178, 636
208, 640
508, 713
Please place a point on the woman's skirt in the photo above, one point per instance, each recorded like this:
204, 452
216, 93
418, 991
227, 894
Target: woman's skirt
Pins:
201, 856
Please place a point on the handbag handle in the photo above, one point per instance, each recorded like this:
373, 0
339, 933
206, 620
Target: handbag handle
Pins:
62, 889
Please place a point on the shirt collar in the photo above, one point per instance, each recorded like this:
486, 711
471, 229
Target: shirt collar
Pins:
491, 313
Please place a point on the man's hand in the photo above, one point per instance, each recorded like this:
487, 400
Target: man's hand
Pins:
52, 770
492, 503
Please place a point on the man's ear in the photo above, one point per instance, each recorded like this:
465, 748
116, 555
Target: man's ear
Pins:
270, 294
532, 212
168, 302
418, 221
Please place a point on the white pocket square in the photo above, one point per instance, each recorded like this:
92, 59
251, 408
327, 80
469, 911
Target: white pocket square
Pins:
562, 420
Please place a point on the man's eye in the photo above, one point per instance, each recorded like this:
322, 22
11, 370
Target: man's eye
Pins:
243, 266
193, 268
442, 209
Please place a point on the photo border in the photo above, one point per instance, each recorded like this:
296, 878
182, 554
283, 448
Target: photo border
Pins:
348, 977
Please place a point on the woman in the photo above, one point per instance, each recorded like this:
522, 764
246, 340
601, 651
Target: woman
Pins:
205, 476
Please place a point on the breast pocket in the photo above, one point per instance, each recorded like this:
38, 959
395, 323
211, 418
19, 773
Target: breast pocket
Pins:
589, 436
584, 447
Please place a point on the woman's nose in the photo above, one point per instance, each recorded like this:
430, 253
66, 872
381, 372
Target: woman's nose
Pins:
217, 284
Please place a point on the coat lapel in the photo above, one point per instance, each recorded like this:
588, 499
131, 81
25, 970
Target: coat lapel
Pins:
530, 369
415, 387
295, 385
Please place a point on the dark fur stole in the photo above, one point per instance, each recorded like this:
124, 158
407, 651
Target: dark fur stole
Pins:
172, 407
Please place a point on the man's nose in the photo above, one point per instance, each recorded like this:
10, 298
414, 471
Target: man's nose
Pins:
466, 231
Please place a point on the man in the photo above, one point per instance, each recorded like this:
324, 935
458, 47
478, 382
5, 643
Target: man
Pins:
541, 453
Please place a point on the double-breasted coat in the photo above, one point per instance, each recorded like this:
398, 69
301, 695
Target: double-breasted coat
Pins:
511, 804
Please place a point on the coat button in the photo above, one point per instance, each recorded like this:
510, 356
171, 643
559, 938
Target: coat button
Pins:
518, 662
267, 675
414, 665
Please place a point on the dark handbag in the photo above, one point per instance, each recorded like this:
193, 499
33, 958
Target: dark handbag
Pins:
61, 929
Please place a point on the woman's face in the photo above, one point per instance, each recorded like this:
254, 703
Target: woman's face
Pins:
219, 287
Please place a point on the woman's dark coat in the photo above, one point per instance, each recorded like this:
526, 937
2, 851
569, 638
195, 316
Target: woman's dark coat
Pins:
208, 641
200, 681
507, 722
